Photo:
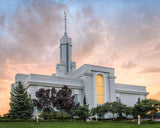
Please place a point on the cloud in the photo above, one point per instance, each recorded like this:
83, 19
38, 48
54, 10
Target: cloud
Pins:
151, 70
154, 96
89, 31
31, 35
149, 49
2, 20
32, 29
128, 64
135, 28
157, 47
3, 69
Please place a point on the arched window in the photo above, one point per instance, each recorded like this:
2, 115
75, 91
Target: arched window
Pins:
99, 89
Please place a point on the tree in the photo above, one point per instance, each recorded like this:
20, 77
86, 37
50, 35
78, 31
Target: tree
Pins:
49, 99
65, 100
21, 104
146, 106
128, 111
43, 101
84, 100
46, 100
99, 110
139, 109
114, 107
106, 107
121, 109
139, 100
151, 106
71, 112
83, 112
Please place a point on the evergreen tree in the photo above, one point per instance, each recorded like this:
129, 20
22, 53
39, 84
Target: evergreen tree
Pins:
84, 100
139, 100
21, 104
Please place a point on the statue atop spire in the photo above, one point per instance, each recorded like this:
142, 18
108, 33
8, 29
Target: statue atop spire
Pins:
65, 32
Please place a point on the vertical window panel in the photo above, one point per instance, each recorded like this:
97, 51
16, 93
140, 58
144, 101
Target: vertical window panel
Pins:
67, 57
98, 99
99, 89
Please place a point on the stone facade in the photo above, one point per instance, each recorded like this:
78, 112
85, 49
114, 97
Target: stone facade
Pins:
83, 82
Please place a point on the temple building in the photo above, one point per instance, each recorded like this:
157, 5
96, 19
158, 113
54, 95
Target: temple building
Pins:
97, 83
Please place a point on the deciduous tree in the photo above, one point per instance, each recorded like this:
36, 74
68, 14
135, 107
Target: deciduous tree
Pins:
65, 100
83, 112
151, 106
45, 100
99, 111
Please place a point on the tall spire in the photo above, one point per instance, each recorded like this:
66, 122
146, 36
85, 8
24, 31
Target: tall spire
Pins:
65, 32
66, 64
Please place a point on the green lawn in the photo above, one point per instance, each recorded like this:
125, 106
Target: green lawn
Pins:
74, 125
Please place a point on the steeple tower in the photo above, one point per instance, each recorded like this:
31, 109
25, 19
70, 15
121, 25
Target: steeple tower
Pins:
65, 32
66, 65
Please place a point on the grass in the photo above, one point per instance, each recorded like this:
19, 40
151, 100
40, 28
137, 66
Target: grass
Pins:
74, 125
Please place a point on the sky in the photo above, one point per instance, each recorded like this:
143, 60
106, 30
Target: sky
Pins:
121, 34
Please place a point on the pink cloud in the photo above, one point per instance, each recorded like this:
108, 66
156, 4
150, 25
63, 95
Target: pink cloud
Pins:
151, 70
128, 64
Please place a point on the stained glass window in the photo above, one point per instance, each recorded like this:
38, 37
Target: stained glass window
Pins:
99, 89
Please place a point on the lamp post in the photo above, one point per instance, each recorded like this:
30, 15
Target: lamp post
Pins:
139, 120
36, 114
96, 117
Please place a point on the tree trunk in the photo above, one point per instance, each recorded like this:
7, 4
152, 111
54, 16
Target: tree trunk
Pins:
62, 115
113, 116
71, 118
152, 116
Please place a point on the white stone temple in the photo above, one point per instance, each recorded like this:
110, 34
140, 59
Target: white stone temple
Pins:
97, 83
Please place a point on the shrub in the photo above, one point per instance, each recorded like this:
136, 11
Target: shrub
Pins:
59, 115
52, 115
149, 122
16, 120
47, 115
